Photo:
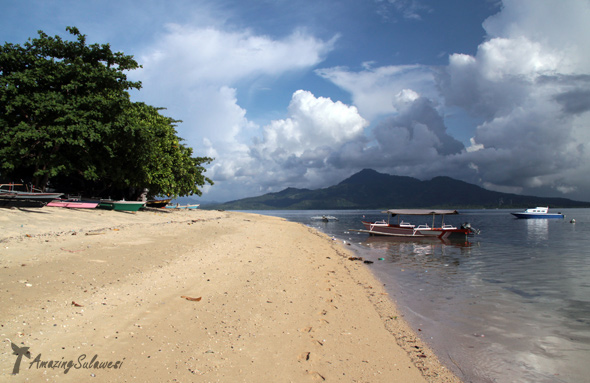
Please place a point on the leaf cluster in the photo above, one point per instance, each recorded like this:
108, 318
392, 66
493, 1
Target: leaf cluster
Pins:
66, 116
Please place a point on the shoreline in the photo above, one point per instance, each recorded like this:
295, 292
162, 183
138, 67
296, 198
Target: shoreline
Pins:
197, 295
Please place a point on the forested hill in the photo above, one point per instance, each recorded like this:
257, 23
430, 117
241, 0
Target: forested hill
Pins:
369, 189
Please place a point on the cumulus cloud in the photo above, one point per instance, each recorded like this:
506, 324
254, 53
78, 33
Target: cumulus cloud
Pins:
413, 142
197, 71
381, 91
528, 85
294, 151
201, 68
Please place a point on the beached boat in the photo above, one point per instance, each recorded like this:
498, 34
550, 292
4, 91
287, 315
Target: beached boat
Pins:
121, 205
158, 203
538, 212
17, 203
8, 191
73, 204
177, 206
405, 229
11, 197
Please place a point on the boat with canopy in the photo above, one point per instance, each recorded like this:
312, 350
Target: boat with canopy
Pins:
402, 228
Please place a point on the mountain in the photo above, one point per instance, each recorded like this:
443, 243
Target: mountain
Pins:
369, 189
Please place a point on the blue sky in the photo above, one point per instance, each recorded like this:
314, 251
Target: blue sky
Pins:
286, 93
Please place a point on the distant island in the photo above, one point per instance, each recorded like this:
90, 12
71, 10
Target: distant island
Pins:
369, 189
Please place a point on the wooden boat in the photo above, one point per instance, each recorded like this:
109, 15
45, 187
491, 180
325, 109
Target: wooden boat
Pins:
537, 212
73, 204
7, 191
405, 229
17, 202
161, 203
177, 206
121, 205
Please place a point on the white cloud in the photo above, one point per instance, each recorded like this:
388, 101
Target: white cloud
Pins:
500, 58
561, 28
529, 85
293, 151
196, 72
474, 147
376, 91
213, 56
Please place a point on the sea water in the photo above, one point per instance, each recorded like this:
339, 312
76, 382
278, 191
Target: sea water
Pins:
511, 304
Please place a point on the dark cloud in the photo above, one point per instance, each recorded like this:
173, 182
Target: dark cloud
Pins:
575, 101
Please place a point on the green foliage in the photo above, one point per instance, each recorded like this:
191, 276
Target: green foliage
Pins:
157, 158
65, 115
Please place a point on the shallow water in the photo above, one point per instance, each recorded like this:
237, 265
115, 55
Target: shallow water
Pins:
509, 305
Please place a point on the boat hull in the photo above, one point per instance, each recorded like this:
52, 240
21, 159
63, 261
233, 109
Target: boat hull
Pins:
190, 207
121, 205
19, 202
30, 196
73, 204
159, 204
376, 228
537, 216
541, 212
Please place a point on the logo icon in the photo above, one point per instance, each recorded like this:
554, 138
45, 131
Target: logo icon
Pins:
19, 352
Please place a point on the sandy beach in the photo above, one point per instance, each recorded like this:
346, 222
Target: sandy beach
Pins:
194, 296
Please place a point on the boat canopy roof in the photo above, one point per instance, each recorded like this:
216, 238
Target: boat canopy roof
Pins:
419, 212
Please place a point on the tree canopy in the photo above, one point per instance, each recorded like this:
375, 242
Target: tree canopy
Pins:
66, 117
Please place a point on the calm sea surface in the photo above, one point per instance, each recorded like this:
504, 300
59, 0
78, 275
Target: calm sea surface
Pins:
509, 305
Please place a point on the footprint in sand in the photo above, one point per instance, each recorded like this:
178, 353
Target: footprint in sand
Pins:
316, 375
304, 356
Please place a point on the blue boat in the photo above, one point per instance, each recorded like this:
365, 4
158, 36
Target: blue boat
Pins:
538, 212
177, 206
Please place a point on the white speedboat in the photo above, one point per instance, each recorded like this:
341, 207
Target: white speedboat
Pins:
537, 212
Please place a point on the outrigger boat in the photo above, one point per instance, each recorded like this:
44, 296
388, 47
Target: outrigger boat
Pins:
405, 229
8, 191
10, 197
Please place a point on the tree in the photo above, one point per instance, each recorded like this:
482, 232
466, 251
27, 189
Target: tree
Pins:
66, 115
157, 158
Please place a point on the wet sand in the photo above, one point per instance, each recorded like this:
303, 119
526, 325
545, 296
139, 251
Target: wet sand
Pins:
201, 296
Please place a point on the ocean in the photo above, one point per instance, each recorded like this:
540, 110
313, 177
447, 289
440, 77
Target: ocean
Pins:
511, 304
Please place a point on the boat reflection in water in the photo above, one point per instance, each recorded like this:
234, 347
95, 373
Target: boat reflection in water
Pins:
417, 252
537, 229
378, 241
